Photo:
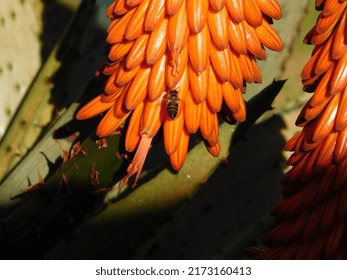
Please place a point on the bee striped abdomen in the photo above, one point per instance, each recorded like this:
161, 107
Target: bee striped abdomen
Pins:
172, 103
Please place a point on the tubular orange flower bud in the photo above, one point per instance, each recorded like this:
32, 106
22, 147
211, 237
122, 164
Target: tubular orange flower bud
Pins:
197, 14
137, 91
218, 25
153, 116
135, 25
207, 123
133, 134
236, 9
174, 63
156, 46
125, 75
173, 6
117, 28
253, 13
214, 150
270, 8
268, 37
237, 37
120, 8
199, 83
172, 133
178, 157
198, 53
111, 86
215, 96
137, 53
133, 3
154, 15
217, 4
192, 112
93, 108
175, 68
156, 83
118, 51
177, 30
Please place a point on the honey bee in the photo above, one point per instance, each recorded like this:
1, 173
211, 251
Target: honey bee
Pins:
172, 103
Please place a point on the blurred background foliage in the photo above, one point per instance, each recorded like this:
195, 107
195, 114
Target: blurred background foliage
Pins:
56, 177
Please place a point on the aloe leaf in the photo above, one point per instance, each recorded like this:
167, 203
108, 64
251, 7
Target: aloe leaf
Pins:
40, 161
18, 62
84, 176
28, 124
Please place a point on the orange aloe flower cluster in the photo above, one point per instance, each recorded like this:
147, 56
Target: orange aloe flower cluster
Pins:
194, 55
312, 216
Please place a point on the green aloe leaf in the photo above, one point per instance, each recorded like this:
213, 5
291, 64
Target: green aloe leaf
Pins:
44, 103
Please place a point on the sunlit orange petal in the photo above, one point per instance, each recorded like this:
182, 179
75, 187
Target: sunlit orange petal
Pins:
137, 53
199, 83
253, 42
133, 135
215, 94
137, 91
110, 123
198, 53
214, 150
172, 133
175, 68
153, 116
268, 37
177, 29
118, 51
178, 157
156, 45
340, 152
154, 15
221, 62
236, 9
271, 8
217, 4
253, 13
117, 28
339, 46
111, 86
236, 78
207, 122
192, 112
218, 26
121, 7
156, 83
339, 78
125, 75
197, 14
232, 97
93, 108
237, 37
133, 3
341, 115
